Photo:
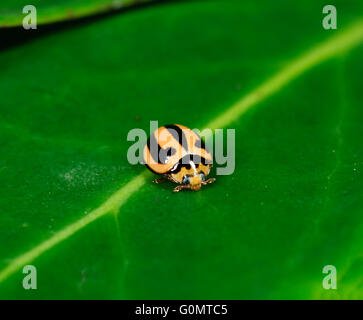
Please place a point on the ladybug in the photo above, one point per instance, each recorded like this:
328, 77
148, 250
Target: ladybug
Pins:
179, 155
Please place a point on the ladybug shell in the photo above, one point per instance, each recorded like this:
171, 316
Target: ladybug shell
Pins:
169, 144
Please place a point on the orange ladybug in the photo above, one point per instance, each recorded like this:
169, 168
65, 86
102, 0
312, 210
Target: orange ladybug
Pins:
179, 155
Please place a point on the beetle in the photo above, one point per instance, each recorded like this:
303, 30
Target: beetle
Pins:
178, 154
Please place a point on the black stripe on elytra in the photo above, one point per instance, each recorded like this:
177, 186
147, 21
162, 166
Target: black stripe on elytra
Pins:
178, 135
159, 154
184, 162
155, 151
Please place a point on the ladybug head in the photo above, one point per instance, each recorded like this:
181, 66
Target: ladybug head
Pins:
194, 179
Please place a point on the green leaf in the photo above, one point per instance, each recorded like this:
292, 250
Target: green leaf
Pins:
11, 11
96, 227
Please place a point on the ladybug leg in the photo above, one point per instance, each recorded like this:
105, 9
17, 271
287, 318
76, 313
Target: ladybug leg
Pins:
210, 180
169, 177
159, 180
181, 187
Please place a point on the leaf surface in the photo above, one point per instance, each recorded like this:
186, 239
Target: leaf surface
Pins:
11, 11
96, 227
